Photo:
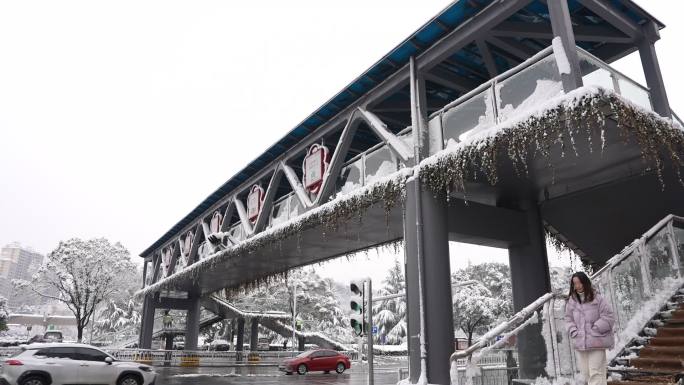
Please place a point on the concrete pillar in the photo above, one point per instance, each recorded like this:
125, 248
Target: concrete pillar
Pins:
651, 66
436, 280
147, 323
240, 334
254, 335
192, 321
228, 333
561, 24
530, 280
169, 341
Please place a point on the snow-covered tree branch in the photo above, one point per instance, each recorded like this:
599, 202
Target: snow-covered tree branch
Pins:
81, 274
3, 314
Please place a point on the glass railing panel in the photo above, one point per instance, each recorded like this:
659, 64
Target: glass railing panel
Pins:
351, 177
295, 206
236, 232
594, 74
678, 229
634, 93
379, 163
563, 348
280, 212
528, 89
659, 258
474, 114
628, 288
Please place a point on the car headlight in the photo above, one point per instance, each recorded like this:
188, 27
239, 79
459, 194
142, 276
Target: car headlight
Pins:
145, 368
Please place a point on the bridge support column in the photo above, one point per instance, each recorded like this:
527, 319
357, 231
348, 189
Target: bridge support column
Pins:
192, 323
240, 334
254, 335
147, 327
436, 298
228, 333
530, 280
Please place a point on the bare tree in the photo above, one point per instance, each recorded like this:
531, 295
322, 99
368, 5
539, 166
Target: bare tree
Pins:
82, 274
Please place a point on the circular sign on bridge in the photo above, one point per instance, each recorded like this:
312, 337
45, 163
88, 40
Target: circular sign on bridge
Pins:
315, 164
255, 201
187, 244
216, 220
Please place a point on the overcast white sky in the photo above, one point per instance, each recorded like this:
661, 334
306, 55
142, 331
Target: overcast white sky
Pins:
117, 118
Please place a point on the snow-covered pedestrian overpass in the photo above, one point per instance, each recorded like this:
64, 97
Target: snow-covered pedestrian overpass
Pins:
496, 123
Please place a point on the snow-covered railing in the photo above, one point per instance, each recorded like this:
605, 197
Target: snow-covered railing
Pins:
521, 89
637, 283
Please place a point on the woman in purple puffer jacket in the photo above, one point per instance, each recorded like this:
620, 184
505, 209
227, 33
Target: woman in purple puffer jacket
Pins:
589, 319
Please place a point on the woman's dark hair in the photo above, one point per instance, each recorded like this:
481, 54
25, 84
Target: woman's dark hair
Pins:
589, 292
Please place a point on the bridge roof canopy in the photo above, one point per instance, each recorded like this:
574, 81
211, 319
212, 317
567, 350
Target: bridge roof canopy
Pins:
599, 29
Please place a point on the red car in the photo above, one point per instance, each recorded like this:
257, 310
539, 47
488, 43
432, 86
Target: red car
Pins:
316, 361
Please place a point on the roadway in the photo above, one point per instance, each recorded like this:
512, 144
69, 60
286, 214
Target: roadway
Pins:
386, 373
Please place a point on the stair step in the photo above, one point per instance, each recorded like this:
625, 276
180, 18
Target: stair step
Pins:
670, 332
667, 341
657, 364
651, 351
675, 323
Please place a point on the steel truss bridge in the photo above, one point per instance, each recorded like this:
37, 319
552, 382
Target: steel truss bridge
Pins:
479, 69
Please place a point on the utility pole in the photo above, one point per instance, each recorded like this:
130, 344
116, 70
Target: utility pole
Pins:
369, 333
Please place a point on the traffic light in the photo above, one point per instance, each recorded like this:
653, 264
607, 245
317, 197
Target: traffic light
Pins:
358, 307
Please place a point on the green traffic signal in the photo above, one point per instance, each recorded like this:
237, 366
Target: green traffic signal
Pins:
357, 325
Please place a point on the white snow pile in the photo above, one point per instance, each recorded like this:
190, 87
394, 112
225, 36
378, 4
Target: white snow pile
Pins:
561, 56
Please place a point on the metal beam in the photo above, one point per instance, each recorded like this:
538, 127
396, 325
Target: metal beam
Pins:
617, 19
242, 213
654, 78
337, 160
445, 78
196, 240
296, 185
487, 57
513, 47
271, 191
592, 33
561, 23
380, 129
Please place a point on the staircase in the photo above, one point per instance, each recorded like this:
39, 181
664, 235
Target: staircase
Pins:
657, 355
644, 284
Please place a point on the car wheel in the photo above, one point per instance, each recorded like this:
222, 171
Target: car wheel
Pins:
340, 368
129, 379
302, 369
34, 380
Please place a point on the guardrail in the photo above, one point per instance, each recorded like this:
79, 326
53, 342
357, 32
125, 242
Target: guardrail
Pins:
195, 358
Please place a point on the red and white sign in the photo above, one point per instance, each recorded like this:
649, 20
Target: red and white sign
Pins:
215, 224
187, 244
315, 164
255, 201
166, 258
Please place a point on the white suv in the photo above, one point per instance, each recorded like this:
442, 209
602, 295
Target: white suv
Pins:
60, 364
